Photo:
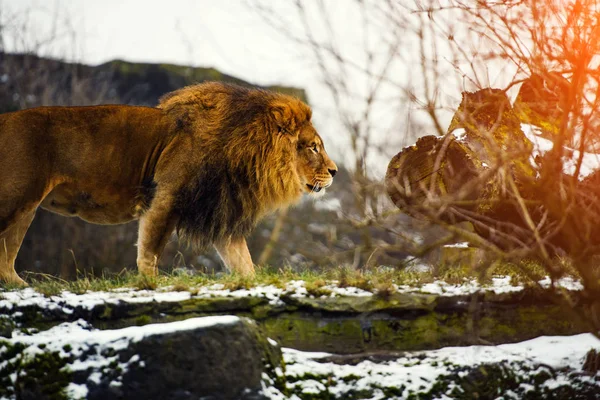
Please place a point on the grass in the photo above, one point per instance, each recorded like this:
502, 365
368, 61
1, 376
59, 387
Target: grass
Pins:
379, 280
316, 288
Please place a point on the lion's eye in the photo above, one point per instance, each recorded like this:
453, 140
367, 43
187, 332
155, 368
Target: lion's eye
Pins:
314, 148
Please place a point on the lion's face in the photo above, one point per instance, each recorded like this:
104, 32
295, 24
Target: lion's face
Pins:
315, 168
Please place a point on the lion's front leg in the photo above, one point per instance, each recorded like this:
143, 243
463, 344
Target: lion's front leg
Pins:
156, 226
236, 256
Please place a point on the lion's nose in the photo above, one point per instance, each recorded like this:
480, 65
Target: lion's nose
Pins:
333, 172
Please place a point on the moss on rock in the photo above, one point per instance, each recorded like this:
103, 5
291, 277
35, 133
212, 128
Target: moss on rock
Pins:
24, 375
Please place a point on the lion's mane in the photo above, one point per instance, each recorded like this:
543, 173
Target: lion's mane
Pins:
244, 152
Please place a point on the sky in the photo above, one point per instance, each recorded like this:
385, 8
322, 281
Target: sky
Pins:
227, 35
233, 37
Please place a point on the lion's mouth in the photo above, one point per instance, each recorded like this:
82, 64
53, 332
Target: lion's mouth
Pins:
315, 188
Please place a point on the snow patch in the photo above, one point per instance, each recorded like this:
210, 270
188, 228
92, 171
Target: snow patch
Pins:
461, 245
499, 285
459, 134
77, 391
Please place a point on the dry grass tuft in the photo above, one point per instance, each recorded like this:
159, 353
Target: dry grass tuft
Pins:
316, 288
181, 287
353, 278
145, 282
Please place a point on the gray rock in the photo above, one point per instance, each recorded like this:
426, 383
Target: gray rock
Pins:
223, 357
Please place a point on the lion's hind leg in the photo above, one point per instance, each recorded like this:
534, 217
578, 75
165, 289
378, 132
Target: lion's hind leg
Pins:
156, 226
10, 243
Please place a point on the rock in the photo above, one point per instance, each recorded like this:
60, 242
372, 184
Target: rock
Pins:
223, 357
367, 304
591, 364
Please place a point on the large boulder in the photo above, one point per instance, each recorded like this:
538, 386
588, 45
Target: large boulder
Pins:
222, 357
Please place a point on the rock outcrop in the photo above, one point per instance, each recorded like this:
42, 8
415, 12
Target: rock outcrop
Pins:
339, 324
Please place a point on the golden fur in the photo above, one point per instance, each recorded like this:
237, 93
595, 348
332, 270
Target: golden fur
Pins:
210, 161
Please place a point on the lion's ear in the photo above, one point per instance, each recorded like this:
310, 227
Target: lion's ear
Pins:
283, 117
182, 106
183, 116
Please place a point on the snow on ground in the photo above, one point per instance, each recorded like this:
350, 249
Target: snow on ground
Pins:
68, 301
500, 284
417, 372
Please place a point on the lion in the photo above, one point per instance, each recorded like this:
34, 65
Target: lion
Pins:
208, 163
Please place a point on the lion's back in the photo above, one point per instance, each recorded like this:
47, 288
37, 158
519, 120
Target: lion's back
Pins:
80, 134
102, 152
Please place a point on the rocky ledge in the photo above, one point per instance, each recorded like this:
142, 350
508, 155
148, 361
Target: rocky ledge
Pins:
333, 319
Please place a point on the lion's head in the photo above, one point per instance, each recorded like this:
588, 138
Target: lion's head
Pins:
315, 168
255, 151
292, 119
